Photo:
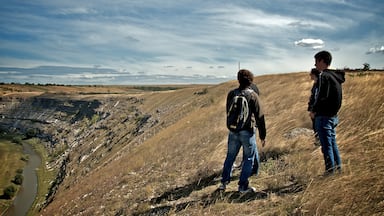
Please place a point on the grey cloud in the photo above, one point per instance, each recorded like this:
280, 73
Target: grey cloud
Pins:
299, 24
76, 76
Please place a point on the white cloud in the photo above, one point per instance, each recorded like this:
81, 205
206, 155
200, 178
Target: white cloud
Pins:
378, 49
309, 42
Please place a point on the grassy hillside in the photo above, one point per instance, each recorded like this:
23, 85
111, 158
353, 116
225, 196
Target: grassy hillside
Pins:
173, 166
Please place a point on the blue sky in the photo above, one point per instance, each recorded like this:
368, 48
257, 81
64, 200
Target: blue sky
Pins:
115, 42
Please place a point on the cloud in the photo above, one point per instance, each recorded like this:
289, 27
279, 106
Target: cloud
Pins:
309, 42
377, 49
76, 10
96, 75
187, 37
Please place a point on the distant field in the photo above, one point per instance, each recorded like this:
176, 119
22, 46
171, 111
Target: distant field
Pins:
11, 160
20, 90
10, 157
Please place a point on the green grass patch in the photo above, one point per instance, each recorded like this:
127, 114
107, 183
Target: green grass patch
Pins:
11, 155
45, 176
13, 161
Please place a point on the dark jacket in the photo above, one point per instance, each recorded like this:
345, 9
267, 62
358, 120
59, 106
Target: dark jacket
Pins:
255, 88
312, 98
254, 108
329, 97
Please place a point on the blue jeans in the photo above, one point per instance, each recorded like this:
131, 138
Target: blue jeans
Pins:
237, 140
325, 127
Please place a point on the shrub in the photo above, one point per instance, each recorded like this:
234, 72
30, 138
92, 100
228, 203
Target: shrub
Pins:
95, 118
18, 179
24, 158
17, 140
31, 132
202, 92
9, 192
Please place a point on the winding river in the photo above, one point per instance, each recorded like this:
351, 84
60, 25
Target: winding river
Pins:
28, 190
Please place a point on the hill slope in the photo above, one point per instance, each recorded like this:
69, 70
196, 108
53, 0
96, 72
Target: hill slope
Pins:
155, 153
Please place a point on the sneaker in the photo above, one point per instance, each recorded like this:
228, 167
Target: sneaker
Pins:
246, 190
223, 186
326, 174
238, 166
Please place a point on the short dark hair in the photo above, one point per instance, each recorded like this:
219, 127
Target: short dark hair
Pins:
314, 71
245, 78
325, 56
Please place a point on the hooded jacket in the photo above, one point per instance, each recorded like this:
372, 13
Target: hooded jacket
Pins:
329, 96
254, 108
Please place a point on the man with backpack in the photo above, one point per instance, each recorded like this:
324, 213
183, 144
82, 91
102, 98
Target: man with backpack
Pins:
242, 104
255, 169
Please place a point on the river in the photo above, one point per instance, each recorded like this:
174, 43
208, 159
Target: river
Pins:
28, 190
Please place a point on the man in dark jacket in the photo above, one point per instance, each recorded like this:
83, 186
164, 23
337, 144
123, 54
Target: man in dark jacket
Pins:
314, 90
243, 136
325, 108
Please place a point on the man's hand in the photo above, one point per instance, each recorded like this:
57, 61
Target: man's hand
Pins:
262, 143
312, 115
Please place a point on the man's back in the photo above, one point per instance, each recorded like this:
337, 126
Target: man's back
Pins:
329, 98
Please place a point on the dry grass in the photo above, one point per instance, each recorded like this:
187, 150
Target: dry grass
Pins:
177, 168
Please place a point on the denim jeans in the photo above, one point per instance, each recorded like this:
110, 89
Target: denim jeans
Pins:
325, 127
237, 140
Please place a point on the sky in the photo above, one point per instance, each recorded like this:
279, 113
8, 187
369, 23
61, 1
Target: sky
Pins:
182, 41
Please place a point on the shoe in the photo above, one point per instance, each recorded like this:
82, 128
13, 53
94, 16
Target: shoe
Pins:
327, 174
223, 186
255, 170
246, 190
238, 166
332, 171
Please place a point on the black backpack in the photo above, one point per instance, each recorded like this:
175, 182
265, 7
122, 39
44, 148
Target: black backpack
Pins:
238, 111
